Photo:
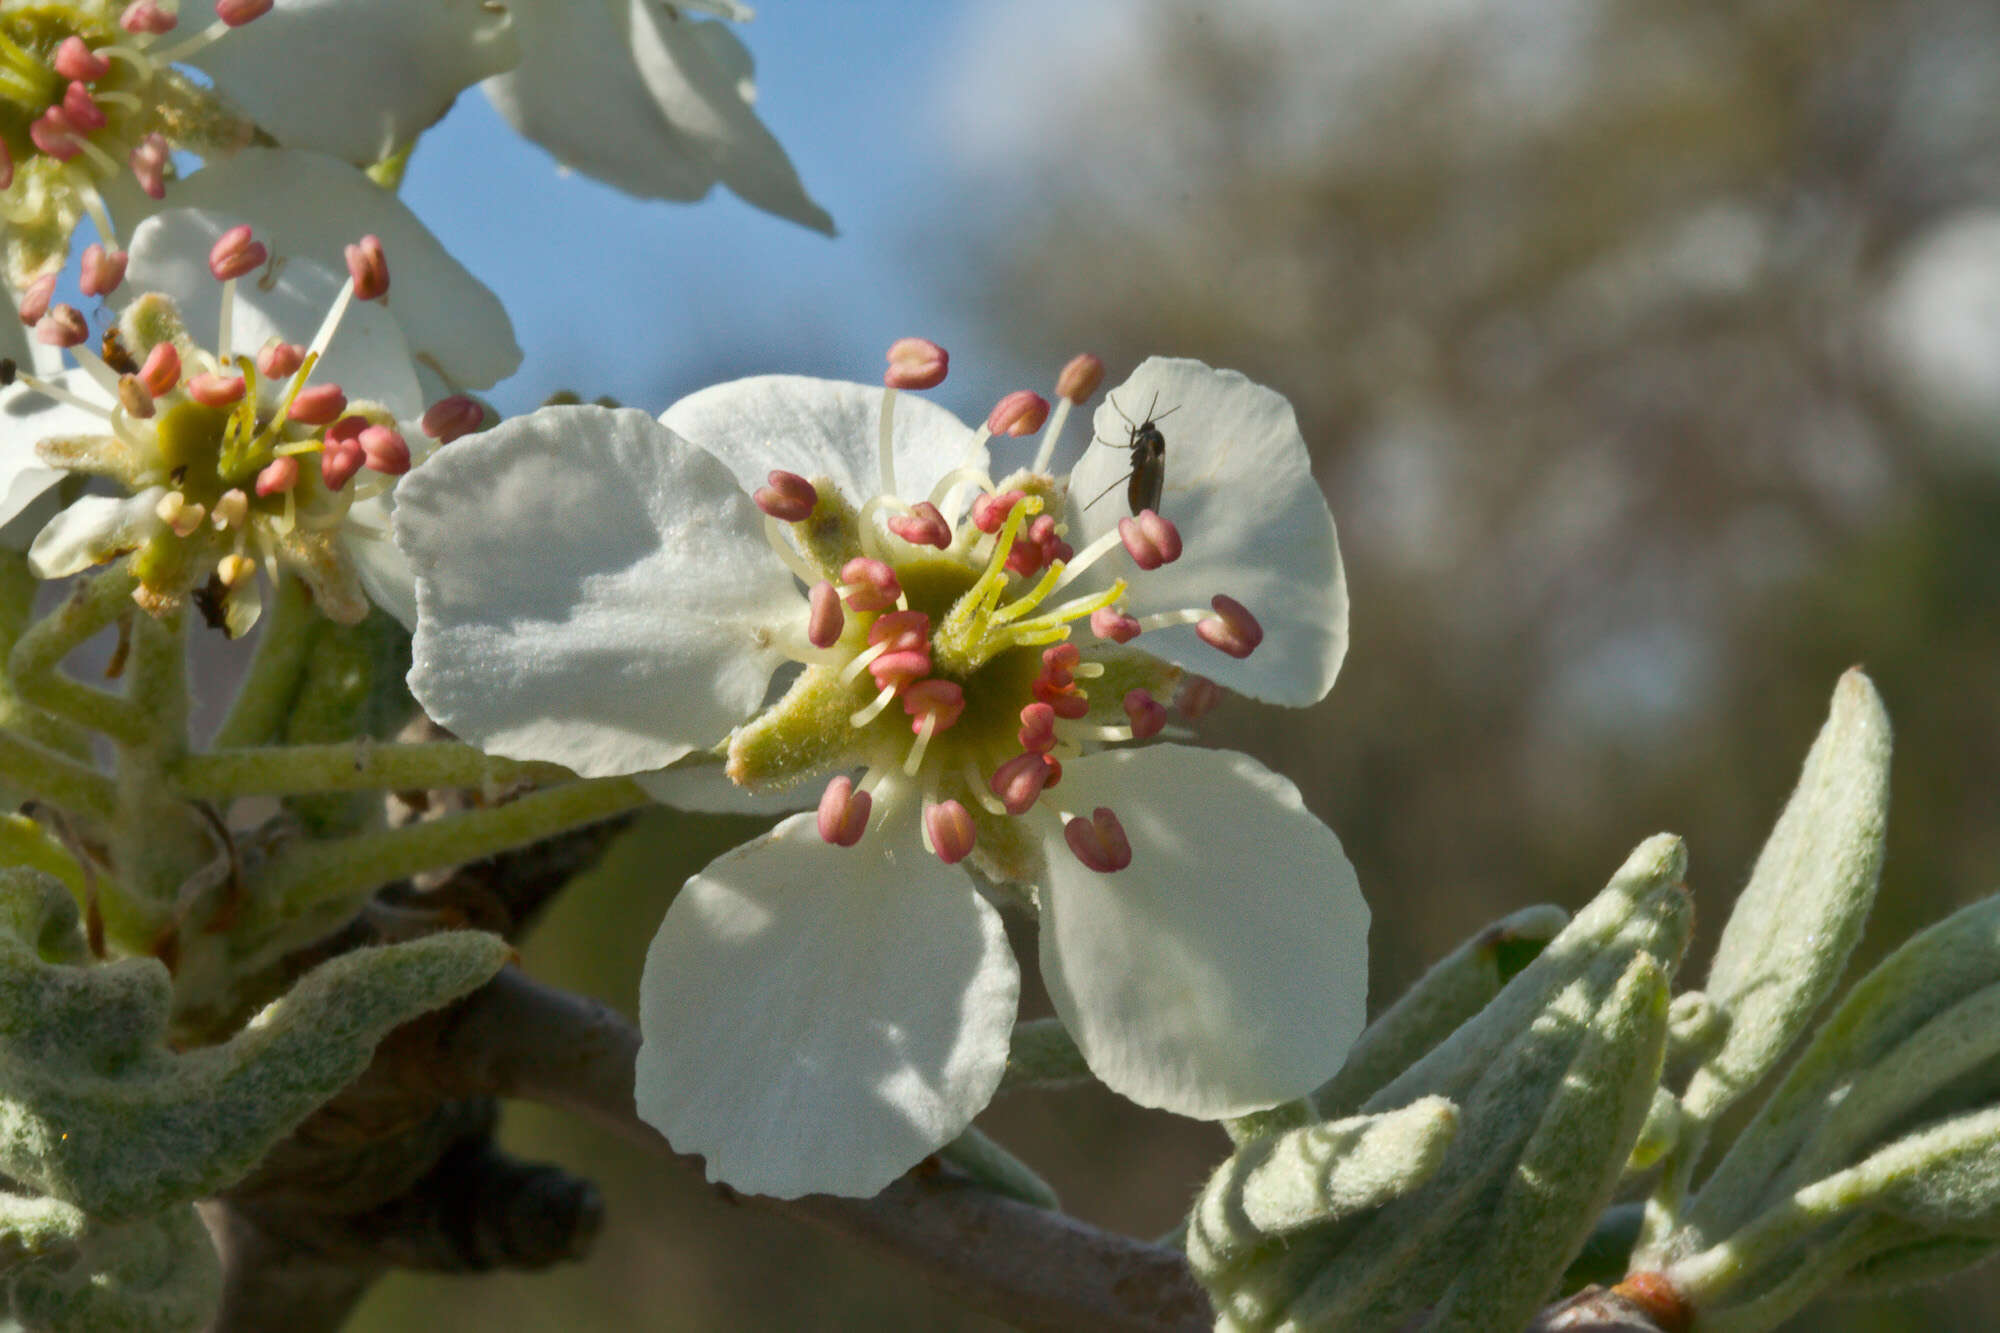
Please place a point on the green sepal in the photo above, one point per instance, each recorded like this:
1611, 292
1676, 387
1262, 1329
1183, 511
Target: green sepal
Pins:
1792, 930
97, 1110
1453, 990
994, 1168
152, 1275
804, 732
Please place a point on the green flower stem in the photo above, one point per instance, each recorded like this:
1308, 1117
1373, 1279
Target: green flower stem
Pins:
1706, 1279
1043, 1054
297, 770
265, 695
1823, 1265
36, 662
24, 843
998, 1170
159, 689
310, 874
75, 787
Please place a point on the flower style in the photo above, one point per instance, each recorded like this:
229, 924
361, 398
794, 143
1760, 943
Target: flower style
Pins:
827, 1004
250, 453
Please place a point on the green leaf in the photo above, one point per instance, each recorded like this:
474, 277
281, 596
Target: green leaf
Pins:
155, 1275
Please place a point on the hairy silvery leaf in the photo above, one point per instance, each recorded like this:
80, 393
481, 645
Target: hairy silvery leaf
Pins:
1570, 1165
1794, 926
1312, 1177
1644, 907
155, 1275
31, 1226
1658, 1135
98, 1111
1926, 1259
1934, 972
1457, 987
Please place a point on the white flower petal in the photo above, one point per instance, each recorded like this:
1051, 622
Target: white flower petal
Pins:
1253, 522
1224, 970
699, 73
384, 571
698, 783
26, 419
592, 590
93, 530
358, 78
823, 428
310, 206
18, 347
369, 356
578, 94
818, 1019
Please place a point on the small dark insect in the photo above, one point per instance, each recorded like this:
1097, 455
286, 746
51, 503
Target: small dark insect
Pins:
1148, 476
115, 355
212, 600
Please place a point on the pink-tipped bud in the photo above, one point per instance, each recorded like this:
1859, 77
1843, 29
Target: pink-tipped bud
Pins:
924, 525
1147, 714
145, 18
235, 253
448, 418
280, 360
824, 618
133, 398
75, 60
916, 363
385, 450
940, 701
82, 109
1080, 378
1019, 782
1108, 622
951, 829
278, 476
1198, 694
989, 512
1021, 412
236, 13
1038, 728
1099, 842
214, 390
162, 370
35, 299
843, 812
789, 498
317, 405
1150, 540
870, 584
369, 268
1232, 629
148, 160
63, 326
102, 270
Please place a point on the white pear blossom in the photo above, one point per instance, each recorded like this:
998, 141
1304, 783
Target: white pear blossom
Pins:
828, 1003
271, 443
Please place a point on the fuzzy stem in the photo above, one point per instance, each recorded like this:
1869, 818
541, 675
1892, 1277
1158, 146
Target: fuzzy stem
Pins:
296, 770
273, 676
1822, 1265
56, 778
36, 661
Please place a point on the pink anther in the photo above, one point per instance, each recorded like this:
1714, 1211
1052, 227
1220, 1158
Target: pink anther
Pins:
1099, 842
924, 525
951, 829
989, 512
1150, 540
1232, 629
1019, 782
1021, 412
367, 266
35, 299
235, 253
317, 404
55, 134
789, 498
1060, 662
216, 390
148, 160
1198, 694
916, 363
102, 270
133, 398
870, 584
843, 812
280, 360
341, 455
82, 109
1108, 622
63, 326
236, 13
278, 476
824, 618
385, 450
1080, 378
75, 60
1038, 546
449, 418
1038, 728
161, 371
902, 631
1147, 714
938, 701
146, 18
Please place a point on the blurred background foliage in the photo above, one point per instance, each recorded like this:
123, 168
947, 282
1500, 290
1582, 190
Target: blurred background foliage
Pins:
1650, 352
